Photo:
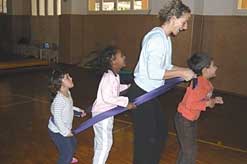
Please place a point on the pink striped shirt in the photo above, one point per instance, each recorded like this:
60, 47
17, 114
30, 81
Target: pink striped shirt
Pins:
108, 93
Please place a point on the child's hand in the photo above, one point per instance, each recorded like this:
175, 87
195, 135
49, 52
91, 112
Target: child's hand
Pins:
70, 134
210, 103
219, 100
83, 113
131, 106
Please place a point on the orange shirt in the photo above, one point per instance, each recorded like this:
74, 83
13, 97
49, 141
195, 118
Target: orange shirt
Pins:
194, 100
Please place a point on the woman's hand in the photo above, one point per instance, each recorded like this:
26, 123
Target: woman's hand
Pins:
188, 74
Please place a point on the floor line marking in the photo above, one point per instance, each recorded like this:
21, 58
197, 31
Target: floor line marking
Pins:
34, 99
219, 144
13, 104
120, 129
122, 121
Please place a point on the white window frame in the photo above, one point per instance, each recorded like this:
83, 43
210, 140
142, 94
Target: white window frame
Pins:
46, 13
4, 5
121, 12
238, 11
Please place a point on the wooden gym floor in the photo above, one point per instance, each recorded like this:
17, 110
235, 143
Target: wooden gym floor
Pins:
24, 112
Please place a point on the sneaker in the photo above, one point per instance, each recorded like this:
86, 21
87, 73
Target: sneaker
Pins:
74, 160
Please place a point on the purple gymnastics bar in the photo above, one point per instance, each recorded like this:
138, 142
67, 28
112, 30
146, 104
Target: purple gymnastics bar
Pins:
138, 101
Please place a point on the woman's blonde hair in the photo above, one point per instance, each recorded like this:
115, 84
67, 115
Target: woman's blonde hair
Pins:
172, 8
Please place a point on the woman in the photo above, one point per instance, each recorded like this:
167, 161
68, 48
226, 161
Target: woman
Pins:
153, 67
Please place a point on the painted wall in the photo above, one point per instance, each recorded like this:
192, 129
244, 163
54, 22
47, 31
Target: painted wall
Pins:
219, 7
228, 48
44, 29
18, 7
196, 6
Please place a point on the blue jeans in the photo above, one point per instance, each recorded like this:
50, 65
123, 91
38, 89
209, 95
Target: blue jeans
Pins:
65, 145
187, 135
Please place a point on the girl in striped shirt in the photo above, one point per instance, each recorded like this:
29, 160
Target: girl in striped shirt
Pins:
62, 112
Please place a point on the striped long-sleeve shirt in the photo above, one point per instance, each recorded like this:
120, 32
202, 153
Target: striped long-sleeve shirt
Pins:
62, 112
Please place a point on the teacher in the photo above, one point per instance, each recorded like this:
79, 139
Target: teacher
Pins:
153, 68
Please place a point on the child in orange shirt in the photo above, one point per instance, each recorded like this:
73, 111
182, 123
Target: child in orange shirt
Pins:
197, 98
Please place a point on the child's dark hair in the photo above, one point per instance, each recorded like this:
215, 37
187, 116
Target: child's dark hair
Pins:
105, 58
55, 82
198, 61
172, 8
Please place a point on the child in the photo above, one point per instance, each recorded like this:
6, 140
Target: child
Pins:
111, 60
197, 98
60, 123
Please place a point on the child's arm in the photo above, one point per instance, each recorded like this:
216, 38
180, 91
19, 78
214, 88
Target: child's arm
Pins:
196, 100
212, 101
109, 93
124, 87
79, 112
197, 105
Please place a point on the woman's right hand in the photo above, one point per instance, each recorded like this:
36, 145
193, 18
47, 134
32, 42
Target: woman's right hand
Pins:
188, 74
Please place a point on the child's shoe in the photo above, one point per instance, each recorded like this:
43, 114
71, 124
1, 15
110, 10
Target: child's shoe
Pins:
74, 160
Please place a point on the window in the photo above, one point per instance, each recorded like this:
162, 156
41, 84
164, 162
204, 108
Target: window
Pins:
3, 6
59, 10
117, 5
123, 5
108, 5
34, 7
50, 7
242, 4
46, 7
140, 4
240, 7
42, 7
